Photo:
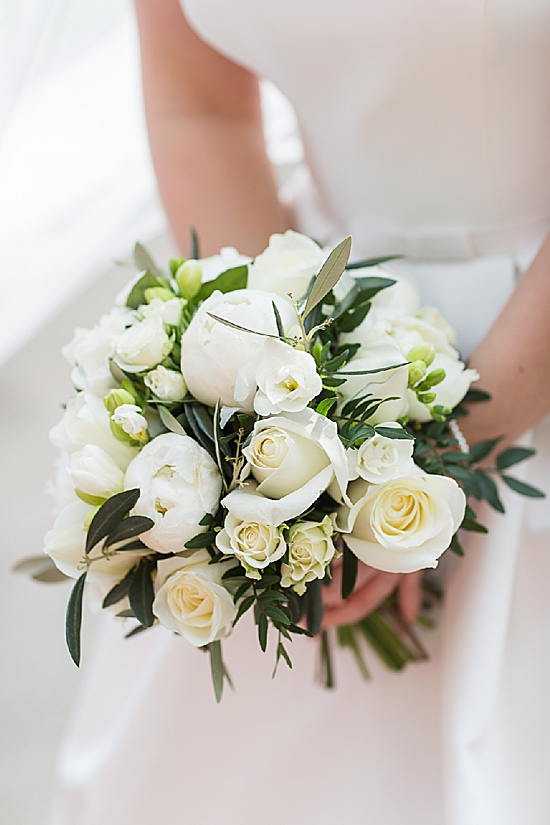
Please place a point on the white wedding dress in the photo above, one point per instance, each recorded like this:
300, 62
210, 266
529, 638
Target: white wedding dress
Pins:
427, 132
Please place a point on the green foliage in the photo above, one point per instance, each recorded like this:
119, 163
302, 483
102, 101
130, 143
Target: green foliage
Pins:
120, 590
350, 567
329, 275
218, 669
228, 281
109, 516
141, 592
73, 622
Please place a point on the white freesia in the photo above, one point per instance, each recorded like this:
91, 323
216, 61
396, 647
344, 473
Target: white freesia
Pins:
450, 392
66, 542
380, 459
86, 421
227, 258
219, 362
90, 350
390, 384
405, 524
131, 419
253, 543
294, 458
287, 265
310, 549
143, 345
168, 311
94, 472
191, 599
168, 385
287, 379
179, 483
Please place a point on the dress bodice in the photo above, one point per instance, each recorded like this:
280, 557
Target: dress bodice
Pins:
421, 117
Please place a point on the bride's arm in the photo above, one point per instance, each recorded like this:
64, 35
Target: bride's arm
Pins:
205, 131
513, 360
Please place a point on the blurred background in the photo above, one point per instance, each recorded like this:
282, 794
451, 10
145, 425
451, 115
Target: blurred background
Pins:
76, 191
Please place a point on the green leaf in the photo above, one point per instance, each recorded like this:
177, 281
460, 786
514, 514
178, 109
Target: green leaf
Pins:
110, 515
272, 596
326, 669
385, 641
337, 362
372, 372
277, 615
325, 406
144, 261
245, 605
129, 528
522, 487
332, 382
218, 669
474, 396
120, 590
345, 636
513, 455
206, 520
372, 262
482, 449
134, 631
350, 566
228, 281
473, 526
455, 546
194, 251
137, 294
329, 275
394, 432
73, 623
489, 491
141, 592
278, 320
351, 320
314, 607
170, 422
282, 653
263, 627
201, 540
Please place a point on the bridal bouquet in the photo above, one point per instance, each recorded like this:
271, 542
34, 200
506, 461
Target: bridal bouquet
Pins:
239, 425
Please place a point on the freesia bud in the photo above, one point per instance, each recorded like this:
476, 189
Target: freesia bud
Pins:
116, 398
422, 352
189, 279
417, 371
433, 378
161, 292
175, 264
426, 397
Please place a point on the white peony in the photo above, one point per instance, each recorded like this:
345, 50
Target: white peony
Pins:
227, 258
91, 350
287, 379
405, 524
66, 542
168, 311
143, 345
390, 384
86, 421
219, 362
94, 472
380, 459
287, 265
168, 385
180, 484
294, 458
401, 297
310, 550
450, 392
253, 543
191, 599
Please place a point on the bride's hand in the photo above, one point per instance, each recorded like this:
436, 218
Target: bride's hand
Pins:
371, 588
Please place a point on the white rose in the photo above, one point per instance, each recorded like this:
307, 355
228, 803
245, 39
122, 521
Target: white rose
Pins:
388, 384
228, 258
405, 524
179, 485
143, 345
287, 379
91, 349
66, 542
94, 472
450, 392
86, 421
168, 311
191, 599
287, 265
294, 458
380, 459
254, 544
130, 418
219, 362
168, 385
310, 549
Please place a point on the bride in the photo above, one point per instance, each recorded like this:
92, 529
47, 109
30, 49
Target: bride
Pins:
426, 129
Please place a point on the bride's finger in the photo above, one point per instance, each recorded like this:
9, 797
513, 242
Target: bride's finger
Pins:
409, 594
362, 601
332, 595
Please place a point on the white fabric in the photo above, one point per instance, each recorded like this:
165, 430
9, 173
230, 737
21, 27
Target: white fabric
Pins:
422, 116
